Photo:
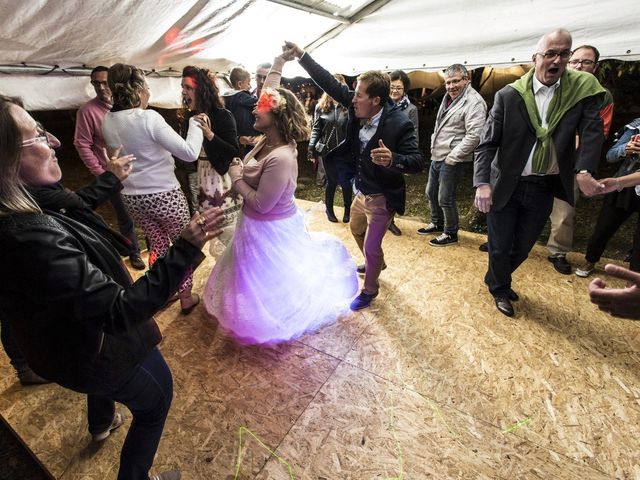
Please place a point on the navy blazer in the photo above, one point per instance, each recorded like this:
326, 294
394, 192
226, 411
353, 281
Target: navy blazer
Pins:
508, 138
396, 131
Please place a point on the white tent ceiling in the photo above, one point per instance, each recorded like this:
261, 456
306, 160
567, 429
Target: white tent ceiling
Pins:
347, 36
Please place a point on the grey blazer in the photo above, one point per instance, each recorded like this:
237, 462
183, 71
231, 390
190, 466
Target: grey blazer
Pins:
508, 137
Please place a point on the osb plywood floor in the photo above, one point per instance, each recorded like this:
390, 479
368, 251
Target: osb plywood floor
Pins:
430, 382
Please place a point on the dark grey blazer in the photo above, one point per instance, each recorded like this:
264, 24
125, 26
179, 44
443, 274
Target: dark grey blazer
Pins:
508, 137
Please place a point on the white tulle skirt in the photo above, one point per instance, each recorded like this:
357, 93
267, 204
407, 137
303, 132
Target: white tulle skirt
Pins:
276, 280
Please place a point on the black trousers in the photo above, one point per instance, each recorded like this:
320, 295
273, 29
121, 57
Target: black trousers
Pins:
513, 231
609, 221
337, 174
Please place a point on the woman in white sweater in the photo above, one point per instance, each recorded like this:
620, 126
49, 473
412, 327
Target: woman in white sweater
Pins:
151, 193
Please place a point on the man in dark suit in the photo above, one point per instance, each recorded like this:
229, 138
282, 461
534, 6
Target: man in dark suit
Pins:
381, 146
527, 155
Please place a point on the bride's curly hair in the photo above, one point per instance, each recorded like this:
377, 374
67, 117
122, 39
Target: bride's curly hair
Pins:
125, 82
291, 119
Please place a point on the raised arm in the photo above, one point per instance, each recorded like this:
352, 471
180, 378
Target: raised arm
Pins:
324, 79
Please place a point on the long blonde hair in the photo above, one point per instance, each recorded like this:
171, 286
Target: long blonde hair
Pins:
291, 119
326, 103
13, 196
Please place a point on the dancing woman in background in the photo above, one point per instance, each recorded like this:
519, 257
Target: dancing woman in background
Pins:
329, 130
152, 193
276, 281
220, 144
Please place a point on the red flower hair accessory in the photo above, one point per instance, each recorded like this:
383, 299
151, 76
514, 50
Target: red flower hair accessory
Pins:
271, 101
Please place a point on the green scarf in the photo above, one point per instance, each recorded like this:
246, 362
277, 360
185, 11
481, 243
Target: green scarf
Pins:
574, 87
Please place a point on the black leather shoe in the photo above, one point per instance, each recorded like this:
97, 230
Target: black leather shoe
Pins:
560, 264
393, 228
363, 300
484, 247
503, 304
332, 217
346, 217
513, 296
362, 270
137, 262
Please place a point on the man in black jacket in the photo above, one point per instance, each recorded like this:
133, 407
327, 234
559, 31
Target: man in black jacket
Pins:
527, 155
382, 146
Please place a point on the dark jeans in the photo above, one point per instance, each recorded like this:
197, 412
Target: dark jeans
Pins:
609, 221
441, 192
11, 348
146, 391
336, 175
513, 232
125, 224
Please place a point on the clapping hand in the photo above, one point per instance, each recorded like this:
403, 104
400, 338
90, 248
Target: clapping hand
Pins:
120, 166
205, 124
235, 169
203, 227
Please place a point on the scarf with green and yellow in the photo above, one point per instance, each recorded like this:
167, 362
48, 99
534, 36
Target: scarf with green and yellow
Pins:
574, 87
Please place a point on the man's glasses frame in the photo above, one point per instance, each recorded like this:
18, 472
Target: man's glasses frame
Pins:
552, 54
584, 63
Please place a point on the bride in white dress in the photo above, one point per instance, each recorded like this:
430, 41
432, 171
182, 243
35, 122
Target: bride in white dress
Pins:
276, 280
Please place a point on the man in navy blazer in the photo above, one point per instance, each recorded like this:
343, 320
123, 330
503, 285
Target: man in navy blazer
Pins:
381, 146
527, 155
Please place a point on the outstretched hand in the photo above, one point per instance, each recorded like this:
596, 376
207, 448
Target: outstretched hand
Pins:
382, 155
619, 302
203, 227
291, 51
589, 186
120, 166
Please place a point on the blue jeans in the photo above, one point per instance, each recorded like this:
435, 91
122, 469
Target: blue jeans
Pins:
146, 391
125, 224
513, 232
441, 192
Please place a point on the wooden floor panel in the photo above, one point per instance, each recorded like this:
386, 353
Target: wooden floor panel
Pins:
430, 382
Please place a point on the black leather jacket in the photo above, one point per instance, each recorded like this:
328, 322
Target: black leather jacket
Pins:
329, 128
72, 307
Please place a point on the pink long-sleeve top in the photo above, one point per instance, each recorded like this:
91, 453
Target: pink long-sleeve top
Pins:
88, 138
267, 186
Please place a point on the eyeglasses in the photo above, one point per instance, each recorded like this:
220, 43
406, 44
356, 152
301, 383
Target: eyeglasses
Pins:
97, 83
552, 54
397, 89
584, 63
42, 137
261, 77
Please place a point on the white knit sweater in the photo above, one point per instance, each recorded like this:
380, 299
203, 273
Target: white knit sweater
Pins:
146, 135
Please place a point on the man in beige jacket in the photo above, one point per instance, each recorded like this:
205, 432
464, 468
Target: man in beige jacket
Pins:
456, 134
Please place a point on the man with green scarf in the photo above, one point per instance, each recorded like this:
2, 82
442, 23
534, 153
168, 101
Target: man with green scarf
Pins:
527, 155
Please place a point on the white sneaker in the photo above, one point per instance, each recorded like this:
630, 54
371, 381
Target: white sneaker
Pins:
585, 270
117, 421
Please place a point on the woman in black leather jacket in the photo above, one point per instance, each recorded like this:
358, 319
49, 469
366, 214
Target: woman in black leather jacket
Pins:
329, 129
72, 307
